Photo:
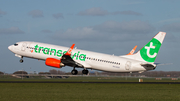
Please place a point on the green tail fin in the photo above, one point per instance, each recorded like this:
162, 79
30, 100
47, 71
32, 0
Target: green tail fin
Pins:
149, 52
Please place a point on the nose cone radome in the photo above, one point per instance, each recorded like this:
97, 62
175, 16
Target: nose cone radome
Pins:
10, 48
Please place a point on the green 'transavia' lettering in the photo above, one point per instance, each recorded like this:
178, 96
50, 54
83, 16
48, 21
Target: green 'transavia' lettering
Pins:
58, 53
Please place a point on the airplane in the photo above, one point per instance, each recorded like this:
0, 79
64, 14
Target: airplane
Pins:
60, 56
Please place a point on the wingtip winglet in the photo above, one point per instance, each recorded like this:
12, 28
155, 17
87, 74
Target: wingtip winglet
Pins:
70, 50
132, 51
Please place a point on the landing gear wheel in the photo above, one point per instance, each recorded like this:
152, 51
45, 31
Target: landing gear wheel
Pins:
74, 72
21, 61
85, 71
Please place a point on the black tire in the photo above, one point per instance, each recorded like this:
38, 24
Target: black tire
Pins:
74, 72
21, 61
85, 71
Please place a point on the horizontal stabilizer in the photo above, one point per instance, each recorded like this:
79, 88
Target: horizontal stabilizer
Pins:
158, 64
149, 66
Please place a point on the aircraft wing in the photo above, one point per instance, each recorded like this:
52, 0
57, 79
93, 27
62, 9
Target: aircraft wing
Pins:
67, 60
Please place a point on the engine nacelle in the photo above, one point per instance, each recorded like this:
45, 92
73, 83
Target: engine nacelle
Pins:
54, 63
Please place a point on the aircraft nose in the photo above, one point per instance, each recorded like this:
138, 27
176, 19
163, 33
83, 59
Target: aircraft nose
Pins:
10, 47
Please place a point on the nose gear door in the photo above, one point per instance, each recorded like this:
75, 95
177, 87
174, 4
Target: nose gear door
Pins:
23, 48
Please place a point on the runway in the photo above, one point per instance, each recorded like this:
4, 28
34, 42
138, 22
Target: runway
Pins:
90, 82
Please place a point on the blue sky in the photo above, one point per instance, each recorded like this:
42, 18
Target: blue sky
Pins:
106, 26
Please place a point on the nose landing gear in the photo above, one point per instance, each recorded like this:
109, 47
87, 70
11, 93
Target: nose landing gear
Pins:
21, 60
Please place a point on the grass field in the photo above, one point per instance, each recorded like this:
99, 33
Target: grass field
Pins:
90, 79
89, 91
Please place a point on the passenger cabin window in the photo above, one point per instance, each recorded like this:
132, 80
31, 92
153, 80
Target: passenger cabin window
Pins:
15, 44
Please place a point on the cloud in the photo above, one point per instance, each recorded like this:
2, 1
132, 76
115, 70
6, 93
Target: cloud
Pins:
36, 13
135, 26
107, 31
77, 34
46, 31
173, 27
12, 30
127, 13
58, 15
2, 13
100, 12
94, 12
133, 2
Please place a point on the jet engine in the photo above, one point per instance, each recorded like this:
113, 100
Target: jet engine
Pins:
54, 63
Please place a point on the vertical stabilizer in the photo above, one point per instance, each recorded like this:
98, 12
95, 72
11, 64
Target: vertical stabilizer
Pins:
149, 52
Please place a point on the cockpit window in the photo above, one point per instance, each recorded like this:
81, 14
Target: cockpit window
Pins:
15, 44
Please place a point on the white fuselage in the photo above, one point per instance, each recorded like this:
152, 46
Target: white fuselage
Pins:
89, 60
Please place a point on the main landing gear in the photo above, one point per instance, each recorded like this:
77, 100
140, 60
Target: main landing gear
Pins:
75, 72
21, 60
85, 71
